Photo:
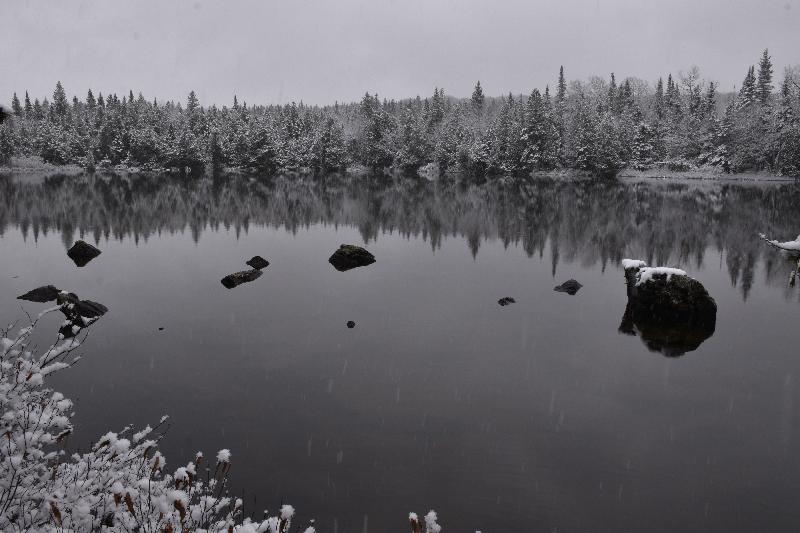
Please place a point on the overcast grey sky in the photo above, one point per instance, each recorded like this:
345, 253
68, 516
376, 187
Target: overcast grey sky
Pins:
276, 51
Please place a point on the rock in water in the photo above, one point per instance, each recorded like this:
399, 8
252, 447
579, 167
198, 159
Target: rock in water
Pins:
48, 293
672, 312
90, 309
349, 256
258, 262
570, 286
506, 300
82, 252
237, 278
351, 324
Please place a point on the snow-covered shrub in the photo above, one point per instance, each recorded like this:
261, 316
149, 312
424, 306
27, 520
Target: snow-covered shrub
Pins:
121, 484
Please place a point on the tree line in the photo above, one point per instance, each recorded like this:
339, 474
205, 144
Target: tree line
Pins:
599, 126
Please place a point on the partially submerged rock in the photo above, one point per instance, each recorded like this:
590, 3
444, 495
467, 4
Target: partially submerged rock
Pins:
79, 313
82, 252
667, 295
570, 286
672, 312
349, 256
237, 278
257, 262
351, 324
506, 300
47, 293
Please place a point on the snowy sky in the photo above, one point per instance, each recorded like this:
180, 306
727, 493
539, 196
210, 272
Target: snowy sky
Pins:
276, 51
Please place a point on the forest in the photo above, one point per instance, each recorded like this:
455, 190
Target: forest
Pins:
598, 126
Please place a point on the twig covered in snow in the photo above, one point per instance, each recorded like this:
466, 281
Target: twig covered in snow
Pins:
788, 246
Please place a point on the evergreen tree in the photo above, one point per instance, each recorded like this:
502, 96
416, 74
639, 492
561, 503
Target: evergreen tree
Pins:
477, 97
710, 100
613, 100
747, 93
764, 84
561, 92
60, 105
16, 108
658, 102
28, 105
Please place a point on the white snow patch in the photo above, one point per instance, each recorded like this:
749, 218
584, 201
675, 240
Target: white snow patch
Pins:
633, 263
793, 246
646, 274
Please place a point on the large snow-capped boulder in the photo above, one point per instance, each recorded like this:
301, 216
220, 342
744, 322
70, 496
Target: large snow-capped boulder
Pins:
82, 252
667, 295
349, 256
671, 312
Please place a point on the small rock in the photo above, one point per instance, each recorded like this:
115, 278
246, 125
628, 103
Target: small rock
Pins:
48, 293
82, 252
237, 278
349, 256
258, 262
570, 286
506, 300
90, 309
351, 324
161, 329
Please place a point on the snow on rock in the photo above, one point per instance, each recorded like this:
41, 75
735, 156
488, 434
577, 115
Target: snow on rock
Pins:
646, 273
632, 263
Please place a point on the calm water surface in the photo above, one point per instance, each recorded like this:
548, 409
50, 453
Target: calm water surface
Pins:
538, 416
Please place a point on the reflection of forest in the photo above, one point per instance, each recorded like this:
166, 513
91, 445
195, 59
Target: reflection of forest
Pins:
587, 221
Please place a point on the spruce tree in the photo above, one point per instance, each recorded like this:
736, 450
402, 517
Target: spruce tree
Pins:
60, 105
561, 93
658, 102
710, 101
612, 95
16, 108
28, 105
477, 97
748, 91
764, 85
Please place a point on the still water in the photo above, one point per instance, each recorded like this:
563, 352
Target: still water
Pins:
536, 416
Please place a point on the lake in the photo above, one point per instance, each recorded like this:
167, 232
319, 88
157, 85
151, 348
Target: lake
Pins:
535, 416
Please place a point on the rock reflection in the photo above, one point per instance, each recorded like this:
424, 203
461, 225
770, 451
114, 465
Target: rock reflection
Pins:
671, 340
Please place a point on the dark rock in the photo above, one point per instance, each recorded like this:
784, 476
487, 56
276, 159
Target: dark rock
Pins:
672, 299
79, 313
349, 256
90, 309
82, 252
237, 278
351, 324
571, 287
506, 300
672, 313
161, 329
258, 262
67, 298
48, 293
